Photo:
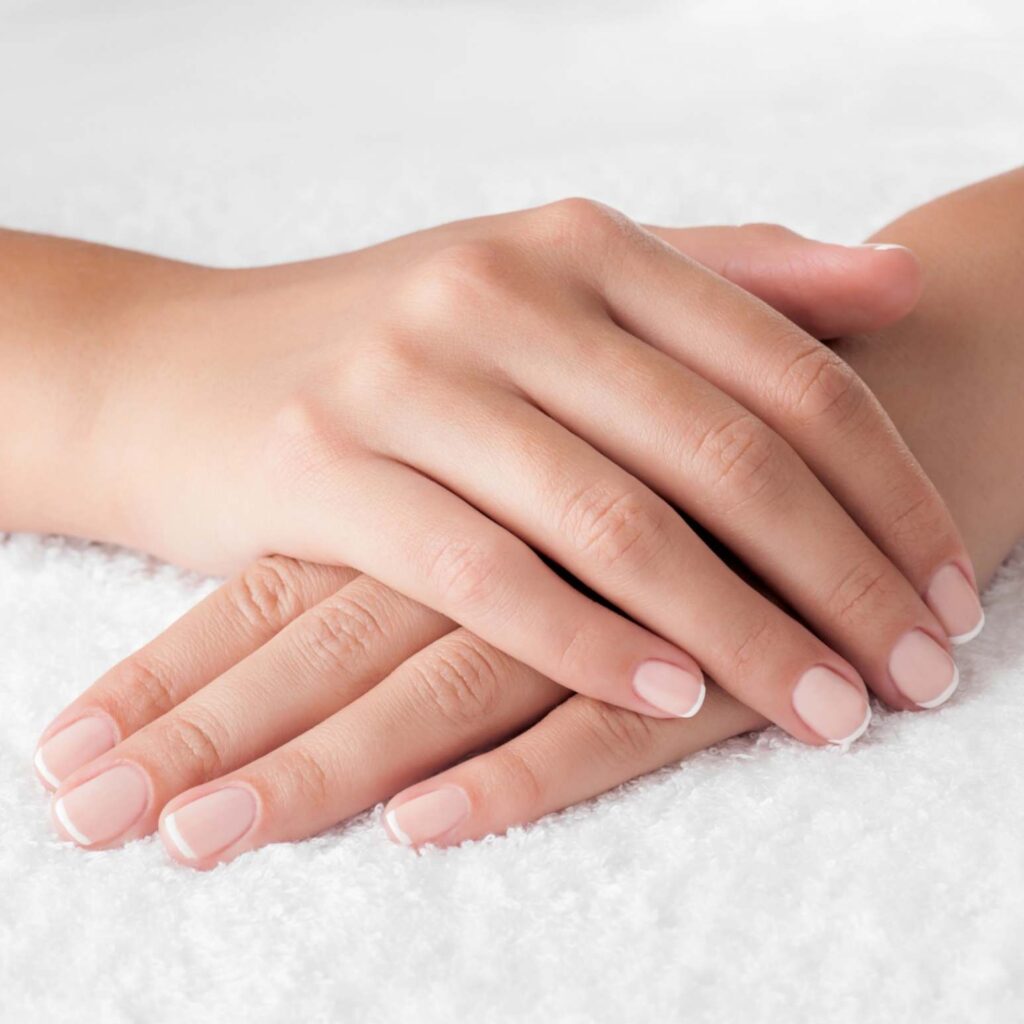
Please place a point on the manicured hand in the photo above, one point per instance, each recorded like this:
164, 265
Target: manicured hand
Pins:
265, 696
443, 410
296, 731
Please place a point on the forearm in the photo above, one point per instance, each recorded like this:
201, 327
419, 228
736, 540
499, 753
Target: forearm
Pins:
951, 375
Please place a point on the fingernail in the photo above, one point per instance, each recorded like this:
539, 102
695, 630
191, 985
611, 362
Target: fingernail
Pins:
922, 670
104, 807
953, 599
212, 823
832, 706
880, 246
669, 688
428, 816
73, 746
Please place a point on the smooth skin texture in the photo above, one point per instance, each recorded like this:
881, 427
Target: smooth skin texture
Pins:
583, 746
207, 695
442, 410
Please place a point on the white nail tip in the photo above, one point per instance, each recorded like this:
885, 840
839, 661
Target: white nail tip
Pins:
43, 770
698, 704
845, 744
396, 830
170, 826
963, 638
69, 825
880, 246
945, 695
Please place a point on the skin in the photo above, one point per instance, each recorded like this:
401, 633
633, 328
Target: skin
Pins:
553, 382
459, 694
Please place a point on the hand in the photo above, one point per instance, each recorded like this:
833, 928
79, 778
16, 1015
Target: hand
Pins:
269, 688
436, 410
297, 695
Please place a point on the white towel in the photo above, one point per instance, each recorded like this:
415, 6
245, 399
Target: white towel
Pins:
759, 882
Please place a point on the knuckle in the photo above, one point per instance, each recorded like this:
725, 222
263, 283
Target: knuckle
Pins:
194, 742
342, 629
576, 221
300, 443
753, 649
265, 593
467, 573
442, 285
515, 773
461, 680
305, 776
617, 735
385, 368
919, 515
745, 463
857, 591
139, 688
576, 652
817, 385
619, 530
766, 231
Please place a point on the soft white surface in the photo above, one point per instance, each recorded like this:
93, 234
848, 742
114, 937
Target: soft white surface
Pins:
759, 882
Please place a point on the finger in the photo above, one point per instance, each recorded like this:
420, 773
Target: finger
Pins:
442, 552
707, 454
580, 749
801, 389
322, 661
619, 537
221, 630
828, 290
450, 699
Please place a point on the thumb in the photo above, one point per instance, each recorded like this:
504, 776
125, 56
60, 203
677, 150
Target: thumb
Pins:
829, 290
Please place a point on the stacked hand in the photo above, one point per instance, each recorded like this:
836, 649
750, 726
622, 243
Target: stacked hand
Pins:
466, 416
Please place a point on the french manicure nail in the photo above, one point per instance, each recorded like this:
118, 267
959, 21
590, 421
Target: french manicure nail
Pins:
212, 823
832, 706
428, 816
953, 599
922, 670
103, 808
669, 688
75, 745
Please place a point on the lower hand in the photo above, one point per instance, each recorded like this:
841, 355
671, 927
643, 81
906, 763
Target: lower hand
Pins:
297, 695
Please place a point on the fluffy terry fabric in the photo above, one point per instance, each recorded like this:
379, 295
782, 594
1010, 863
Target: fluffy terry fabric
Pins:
758, 882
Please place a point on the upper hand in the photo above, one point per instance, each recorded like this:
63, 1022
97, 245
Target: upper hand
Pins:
440, 410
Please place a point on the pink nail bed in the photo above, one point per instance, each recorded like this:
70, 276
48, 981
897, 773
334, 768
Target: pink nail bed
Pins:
832, 706
669, 688
210, 824
922, 670
428, 816
75, 745
103, 808
953, 599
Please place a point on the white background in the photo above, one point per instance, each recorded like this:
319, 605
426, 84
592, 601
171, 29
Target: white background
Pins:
761, 882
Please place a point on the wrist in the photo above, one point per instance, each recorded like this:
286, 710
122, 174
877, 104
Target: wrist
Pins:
949, 374
74, 318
